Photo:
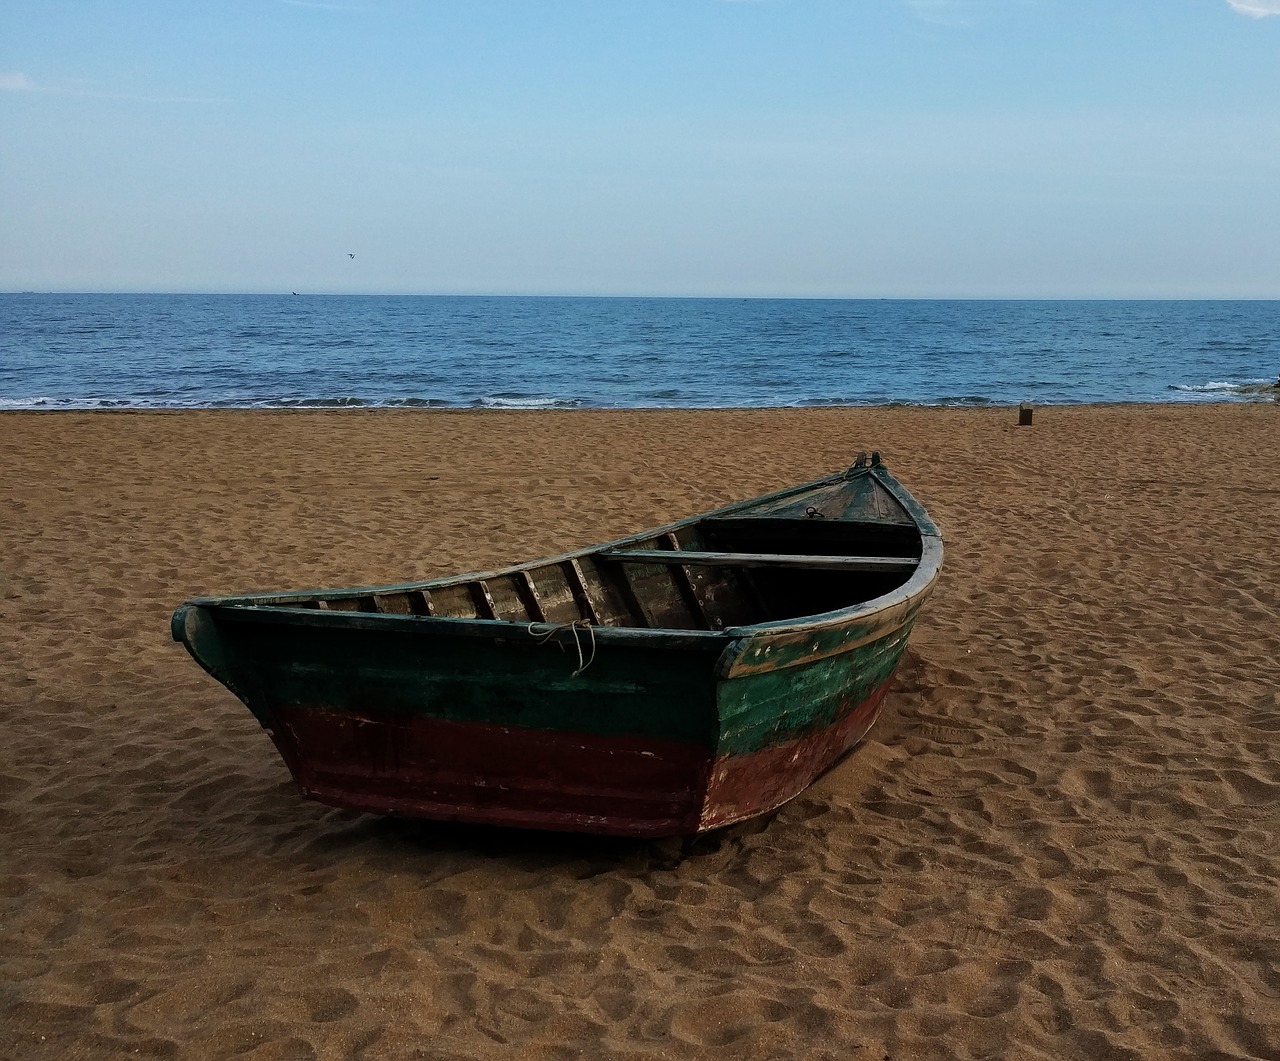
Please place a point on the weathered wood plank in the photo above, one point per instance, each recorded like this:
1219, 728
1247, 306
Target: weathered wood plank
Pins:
393, 603
692, 599
894, 564
347, 604
607, 595
821, 535
634, 609
529, 594
725, 597
578, 585
508, 601
455, 601
554, 594
483, 599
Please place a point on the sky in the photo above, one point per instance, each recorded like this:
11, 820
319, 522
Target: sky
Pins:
746, 148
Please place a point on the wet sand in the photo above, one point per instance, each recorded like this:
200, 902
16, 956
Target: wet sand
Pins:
1061, 839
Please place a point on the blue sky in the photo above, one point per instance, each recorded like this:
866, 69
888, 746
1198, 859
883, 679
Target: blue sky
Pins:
825, 148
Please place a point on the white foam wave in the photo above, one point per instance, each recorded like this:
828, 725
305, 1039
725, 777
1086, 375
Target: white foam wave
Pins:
29, 403
527, 403
1246, 390
1206, 388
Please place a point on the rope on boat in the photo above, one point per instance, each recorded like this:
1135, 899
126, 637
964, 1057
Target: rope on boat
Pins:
575, 626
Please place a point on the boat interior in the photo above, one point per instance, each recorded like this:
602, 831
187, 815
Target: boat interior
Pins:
708, 574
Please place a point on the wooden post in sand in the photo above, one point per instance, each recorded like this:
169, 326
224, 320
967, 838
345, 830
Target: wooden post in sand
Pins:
1024, 415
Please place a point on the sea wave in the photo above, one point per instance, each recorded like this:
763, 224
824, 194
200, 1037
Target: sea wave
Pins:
38, 403
1198, 388
28, 403
343, 402
1252, 388
163, 402
498, 401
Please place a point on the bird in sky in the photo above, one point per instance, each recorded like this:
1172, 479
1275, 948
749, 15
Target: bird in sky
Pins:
350, 255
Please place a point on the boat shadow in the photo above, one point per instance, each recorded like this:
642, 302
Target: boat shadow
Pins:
584, 854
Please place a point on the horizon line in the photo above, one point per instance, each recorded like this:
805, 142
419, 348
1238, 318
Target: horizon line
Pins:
289, 293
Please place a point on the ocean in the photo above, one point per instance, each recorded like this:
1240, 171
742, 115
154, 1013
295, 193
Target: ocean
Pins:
97, 351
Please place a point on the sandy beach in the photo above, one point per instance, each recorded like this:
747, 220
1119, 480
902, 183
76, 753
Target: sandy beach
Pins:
1062, 839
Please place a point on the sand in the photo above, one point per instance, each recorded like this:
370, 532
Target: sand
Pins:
1059, 842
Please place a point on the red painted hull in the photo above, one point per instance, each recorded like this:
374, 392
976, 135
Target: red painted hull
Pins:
424, 767
742, 786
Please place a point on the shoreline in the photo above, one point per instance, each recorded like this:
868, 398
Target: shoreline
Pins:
1257, 393
1060, 840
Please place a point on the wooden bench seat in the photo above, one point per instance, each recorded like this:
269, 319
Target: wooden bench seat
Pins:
694, 558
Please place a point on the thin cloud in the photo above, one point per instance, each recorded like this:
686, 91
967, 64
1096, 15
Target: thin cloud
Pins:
1256, 8
15, 81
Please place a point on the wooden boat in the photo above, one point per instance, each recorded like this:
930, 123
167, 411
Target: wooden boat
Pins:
666, 683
